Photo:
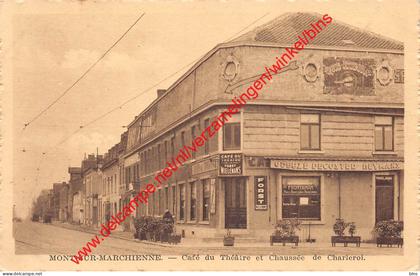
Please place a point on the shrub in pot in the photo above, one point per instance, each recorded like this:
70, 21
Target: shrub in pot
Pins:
339, 229
285, 232
228, 239
389, 232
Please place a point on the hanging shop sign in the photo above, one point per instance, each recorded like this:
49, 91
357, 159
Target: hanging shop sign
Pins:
260, 192
309, 165
230, 164
348, 76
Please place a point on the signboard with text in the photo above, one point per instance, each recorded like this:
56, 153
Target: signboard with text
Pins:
230, 164
260, 192
309, 165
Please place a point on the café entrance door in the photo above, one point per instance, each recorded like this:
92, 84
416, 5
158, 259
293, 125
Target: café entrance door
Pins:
235, 203
384, 198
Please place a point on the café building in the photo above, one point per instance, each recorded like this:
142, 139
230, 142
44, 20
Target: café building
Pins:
323, 141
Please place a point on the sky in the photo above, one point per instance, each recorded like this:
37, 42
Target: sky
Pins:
54, 43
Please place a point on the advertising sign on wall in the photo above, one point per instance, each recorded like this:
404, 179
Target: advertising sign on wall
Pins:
353, 76
230, 164
260, 192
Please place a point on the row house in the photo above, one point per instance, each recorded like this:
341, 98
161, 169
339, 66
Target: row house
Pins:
92, 183
324, 139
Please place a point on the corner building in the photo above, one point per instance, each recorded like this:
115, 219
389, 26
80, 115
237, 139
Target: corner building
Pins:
324, 139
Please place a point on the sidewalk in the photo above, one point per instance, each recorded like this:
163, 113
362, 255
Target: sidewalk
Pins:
195, 243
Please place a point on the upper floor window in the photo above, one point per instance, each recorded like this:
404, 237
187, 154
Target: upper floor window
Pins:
310, 138
206, 145
182, 139
192, 139
384, 133
232, 136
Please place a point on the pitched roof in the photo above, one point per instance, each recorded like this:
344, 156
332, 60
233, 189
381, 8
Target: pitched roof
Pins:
285, 29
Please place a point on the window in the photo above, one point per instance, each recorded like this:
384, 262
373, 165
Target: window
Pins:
301, 198
206, 145
181, 202
165, 153
182, 139
173, 199
192, 139
193, 201
384, 133
172, 147
166, 198
206, 199
310, 132
232, 136
159, 159
160, 202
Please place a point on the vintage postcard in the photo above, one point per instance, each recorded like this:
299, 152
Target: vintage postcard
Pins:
208, 135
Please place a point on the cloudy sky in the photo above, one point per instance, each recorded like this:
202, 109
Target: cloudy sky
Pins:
55, 42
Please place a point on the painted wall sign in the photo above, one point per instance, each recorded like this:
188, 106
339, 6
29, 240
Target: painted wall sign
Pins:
260, 192
308, 165
230, 164
348, 76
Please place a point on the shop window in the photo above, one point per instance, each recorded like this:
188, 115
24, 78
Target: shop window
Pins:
232, 136
384, 198
301, 198
160, 202
181, 202
166, 198
193, 201
384, 133
206, 199
310, 138
206, 144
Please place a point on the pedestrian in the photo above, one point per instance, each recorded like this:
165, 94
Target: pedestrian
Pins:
168, 216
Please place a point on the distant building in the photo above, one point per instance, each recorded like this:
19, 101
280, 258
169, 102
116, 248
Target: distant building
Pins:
78, 207
92, 184
56, 196
64, 208
75, 187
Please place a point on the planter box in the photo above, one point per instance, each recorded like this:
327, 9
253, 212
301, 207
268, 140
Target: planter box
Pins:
228, 241
174, 239
389, 241
284, 240
346, 240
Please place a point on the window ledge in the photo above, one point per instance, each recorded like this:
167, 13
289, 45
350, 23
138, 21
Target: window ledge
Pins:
384, 153
312, 151
204, 222
312, 222
192, 221
180, 221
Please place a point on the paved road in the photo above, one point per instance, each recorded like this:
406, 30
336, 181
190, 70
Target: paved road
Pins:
37, 238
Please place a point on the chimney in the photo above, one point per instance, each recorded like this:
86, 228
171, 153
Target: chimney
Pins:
160, 92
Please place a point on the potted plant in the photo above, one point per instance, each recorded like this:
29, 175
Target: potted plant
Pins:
140, 226
389, 233
285, 232
339, 229
228, 239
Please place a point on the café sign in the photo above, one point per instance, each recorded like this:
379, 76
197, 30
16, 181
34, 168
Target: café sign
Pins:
230, 164
310, 165
260, 192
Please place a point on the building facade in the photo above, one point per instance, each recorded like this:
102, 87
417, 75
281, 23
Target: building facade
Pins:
324, 139
92, 184
75, 187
